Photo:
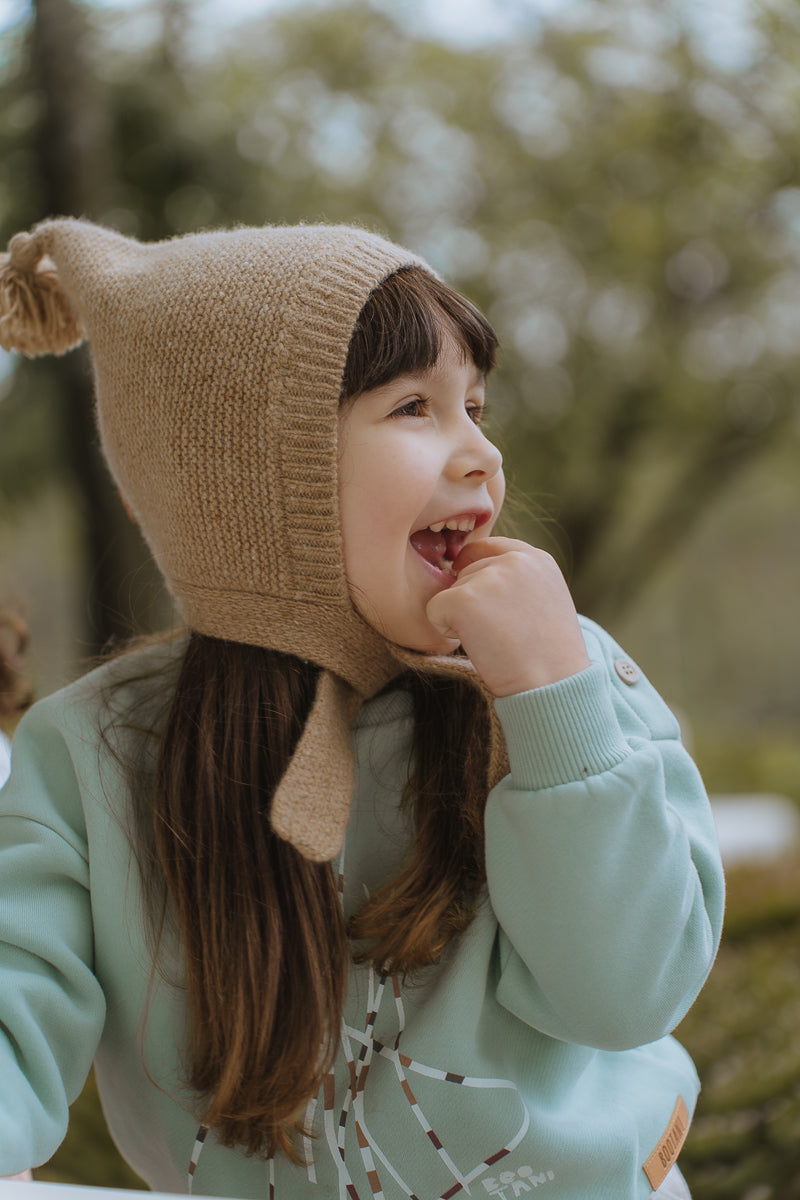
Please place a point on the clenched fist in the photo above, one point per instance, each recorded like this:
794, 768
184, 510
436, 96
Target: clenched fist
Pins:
511, 610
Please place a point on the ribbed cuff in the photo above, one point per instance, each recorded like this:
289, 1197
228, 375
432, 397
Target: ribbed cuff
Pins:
562, 732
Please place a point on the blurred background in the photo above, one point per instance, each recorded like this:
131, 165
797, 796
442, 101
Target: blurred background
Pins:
617, 185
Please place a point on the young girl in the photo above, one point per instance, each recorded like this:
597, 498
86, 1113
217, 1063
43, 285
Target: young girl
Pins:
389, 876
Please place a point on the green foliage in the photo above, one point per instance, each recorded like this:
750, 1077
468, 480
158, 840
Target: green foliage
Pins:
31, 449
744, 1035
753, 762
88, 1155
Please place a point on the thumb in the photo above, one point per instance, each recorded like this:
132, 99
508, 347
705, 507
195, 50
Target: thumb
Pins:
490, 547
438, 612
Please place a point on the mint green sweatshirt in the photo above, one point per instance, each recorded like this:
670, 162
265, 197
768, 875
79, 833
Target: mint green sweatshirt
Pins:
533, 1058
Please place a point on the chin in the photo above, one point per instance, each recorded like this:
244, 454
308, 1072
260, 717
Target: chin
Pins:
419, 636
434, 643
444, 646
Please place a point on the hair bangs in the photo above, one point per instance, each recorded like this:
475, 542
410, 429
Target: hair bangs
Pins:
401, 328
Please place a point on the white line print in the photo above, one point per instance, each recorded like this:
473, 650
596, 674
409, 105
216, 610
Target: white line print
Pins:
308, 1144
402, 1063
345, 1182
358, 1079
354, 1095
197, 1150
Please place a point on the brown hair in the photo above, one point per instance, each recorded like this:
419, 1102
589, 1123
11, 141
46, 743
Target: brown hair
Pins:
15, 692
401, 327
266, 950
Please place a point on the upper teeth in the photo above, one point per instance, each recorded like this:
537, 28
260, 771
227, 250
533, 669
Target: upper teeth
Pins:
464, 524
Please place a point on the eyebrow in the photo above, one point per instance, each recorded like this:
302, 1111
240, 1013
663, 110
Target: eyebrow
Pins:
477, 375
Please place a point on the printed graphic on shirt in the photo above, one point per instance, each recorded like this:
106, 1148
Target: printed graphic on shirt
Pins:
514, 1183
361, 1051
375, 1162
377, 1165
666, 1152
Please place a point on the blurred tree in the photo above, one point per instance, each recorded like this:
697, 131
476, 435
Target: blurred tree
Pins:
617, 204
69, 156
623, 208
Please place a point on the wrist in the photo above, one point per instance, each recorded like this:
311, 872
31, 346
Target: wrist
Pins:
542, 672
562, 732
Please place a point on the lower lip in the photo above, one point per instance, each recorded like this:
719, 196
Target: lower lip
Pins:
443, 578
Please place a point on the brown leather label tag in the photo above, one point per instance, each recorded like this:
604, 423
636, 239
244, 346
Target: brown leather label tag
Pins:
666, 1152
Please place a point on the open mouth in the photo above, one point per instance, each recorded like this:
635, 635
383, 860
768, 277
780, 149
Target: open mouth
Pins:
441, 543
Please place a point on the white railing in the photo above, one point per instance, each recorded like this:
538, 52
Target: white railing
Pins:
11, 1189
755, 827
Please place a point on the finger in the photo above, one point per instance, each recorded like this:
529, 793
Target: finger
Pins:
472, 552
438, 613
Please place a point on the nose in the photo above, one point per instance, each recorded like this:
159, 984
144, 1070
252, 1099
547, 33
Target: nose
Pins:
474, 455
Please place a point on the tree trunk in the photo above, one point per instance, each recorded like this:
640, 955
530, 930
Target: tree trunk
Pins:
72, 153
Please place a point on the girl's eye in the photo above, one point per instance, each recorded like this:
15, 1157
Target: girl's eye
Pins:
476, 413
412, 408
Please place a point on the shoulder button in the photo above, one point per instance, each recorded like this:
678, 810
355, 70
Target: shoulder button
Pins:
628, 672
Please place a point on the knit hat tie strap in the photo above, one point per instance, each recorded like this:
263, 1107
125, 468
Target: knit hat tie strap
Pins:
311, 805
458, 666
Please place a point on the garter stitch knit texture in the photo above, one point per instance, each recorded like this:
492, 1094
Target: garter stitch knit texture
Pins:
218, 360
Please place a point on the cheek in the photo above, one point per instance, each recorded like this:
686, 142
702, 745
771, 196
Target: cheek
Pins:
497, 491
365, 516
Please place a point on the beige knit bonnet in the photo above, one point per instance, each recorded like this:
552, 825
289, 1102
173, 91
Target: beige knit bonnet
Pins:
218, 361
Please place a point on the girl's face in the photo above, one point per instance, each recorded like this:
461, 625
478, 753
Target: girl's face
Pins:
417, 479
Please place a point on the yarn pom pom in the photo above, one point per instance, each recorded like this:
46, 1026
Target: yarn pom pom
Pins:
35, 315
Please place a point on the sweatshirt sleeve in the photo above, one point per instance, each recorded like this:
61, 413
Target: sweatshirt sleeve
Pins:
51, 1006
602, 859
